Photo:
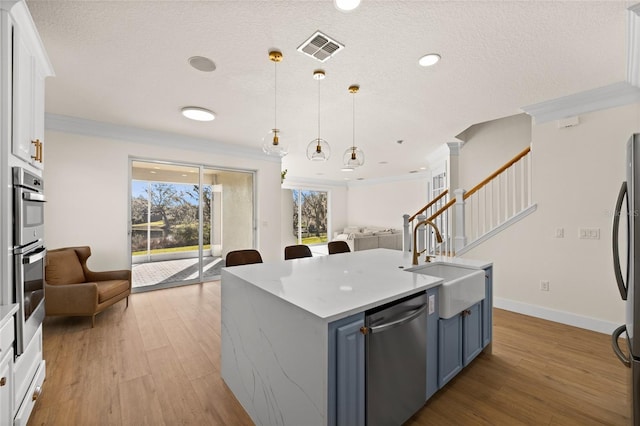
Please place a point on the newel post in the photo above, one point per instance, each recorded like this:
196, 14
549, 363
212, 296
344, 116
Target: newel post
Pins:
406, 233
460, 240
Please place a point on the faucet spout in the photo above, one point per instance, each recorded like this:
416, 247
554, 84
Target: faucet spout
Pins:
416, 253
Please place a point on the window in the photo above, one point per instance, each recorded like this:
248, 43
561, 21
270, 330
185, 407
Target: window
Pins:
310, 216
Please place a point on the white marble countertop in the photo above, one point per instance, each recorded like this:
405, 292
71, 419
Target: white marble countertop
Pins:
336, 286
6, 311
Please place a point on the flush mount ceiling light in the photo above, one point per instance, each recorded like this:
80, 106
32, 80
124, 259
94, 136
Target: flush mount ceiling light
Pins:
318, 149
202, 64
346, 5
271, 143
353, 157
429, 60
198, 114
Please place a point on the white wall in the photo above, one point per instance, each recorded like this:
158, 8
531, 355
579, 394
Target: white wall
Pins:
489, 145
87, 185
383, 203
577, 172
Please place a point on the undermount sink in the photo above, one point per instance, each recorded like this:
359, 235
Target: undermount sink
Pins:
461, 288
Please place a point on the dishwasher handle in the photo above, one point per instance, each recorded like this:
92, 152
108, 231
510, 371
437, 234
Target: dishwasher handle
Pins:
409, 316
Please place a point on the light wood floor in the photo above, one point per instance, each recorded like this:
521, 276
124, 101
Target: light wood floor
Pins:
157, 362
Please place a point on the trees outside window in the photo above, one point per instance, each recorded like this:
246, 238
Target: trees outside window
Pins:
310, 216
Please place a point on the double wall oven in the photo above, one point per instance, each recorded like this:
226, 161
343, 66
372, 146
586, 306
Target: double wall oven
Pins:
28, 254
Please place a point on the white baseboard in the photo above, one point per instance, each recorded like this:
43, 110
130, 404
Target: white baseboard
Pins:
562, 317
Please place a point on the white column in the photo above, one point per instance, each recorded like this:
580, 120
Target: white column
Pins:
460, 239
421, 232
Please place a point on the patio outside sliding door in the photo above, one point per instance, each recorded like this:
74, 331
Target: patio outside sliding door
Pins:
181, 217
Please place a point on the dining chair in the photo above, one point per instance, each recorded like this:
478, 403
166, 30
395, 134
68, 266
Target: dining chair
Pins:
297, 251
339, 246
242, 257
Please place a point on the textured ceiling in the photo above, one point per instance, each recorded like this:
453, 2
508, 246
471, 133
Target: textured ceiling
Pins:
125, 62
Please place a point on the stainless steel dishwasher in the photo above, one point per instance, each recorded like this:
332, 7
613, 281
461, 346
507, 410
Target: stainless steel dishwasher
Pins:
396, 360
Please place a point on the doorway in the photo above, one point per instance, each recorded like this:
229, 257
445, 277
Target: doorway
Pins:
178, 217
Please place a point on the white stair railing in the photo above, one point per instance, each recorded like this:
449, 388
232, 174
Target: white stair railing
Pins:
474, 215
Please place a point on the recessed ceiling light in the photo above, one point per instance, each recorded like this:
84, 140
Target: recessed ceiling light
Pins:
198, 114
153, 172
399, 141
346, 5
423, 168
428, 60
202, 64
413, 171
383, 162
347, 169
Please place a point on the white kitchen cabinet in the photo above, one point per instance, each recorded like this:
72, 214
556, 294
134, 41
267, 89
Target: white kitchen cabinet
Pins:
30, 68
7, 336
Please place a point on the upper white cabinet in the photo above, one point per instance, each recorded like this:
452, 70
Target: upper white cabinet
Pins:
29, 66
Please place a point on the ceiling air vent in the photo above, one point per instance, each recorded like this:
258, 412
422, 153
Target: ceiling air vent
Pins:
320, 46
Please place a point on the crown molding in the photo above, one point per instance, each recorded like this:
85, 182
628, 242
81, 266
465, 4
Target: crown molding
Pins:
81, 126
300, 182
633, 45
611, 96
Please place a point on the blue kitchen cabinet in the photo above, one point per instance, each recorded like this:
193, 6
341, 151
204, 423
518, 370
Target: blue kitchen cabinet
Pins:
472, 326
460, 340
487, 308
449, 348
433, 316
346, 379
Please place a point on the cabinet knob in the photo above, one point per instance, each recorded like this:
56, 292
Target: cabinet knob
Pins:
3, 381
364, 330
36, 393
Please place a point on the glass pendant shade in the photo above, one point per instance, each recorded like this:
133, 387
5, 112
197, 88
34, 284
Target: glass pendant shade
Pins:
272, 143
318, 150
353, 157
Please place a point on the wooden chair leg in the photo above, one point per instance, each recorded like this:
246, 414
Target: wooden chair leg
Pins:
127, 302
93, 321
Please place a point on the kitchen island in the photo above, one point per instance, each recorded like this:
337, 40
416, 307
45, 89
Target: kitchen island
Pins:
292, 351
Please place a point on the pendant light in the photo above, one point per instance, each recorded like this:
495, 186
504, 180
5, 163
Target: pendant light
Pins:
353, 157
271, 143
318, 149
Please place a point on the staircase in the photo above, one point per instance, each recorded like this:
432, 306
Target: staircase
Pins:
471, 217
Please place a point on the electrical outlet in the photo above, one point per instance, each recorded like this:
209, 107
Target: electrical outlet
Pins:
589, 233
544, 285
432, 304
559, 232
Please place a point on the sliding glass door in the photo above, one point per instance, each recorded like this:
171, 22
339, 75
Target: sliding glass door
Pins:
178, 221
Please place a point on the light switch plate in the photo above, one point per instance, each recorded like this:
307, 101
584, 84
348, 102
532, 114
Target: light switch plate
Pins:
432, 304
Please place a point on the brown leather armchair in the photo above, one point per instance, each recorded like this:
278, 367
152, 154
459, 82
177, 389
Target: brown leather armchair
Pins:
71, 289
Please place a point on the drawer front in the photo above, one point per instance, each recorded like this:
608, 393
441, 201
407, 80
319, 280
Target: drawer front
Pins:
6, 388
26, 365
30, 399
6, 337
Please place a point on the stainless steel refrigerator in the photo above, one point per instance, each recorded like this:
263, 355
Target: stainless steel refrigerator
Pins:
626, 221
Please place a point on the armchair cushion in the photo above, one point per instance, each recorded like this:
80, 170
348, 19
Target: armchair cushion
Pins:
63, 267
111, 288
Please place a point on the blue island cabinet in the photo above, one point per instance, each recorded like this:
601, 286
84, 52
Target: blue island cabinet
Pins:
462, 337
346, 391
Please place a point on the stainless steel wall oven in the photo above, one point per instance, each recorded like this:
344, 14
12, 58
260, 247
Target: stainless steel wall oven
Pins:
28, 255
28, 212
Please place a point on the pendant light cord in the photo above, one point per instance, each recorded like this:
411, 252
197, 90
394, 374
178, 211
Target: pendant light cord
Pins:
319, 111
275, 97
353, 144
